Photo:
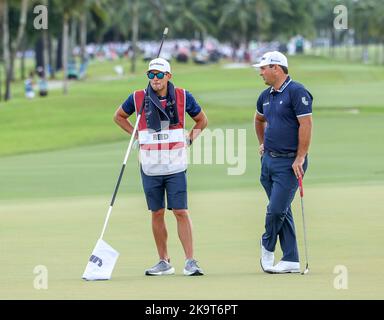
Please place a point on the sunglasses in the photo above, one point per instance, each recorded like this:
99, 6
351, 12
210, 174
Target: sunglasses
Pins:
159, 75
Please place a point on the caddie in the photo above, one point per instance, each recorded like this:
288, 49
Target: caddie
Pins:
163, 143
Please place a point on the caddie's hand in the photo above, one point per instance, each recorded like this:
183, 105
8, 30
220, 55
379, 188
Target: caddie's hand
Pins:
297, 167
188, 140
261, 149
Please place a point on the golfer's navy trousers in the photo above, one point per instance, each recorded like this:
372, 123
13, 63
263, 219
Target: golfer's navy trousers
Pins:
280, 184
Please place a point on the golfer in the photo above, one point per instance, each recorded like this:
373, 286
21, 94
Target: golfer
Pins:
283, 124
163, 158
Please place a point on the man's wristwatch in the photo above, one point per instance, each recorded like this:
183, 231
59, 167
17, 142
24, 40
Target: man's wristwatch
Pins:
189, 141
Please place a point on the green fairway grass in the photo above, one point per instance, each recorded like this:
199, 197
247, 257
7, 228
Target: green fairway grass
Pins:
60, 158
61, 233
227, 95
340, 154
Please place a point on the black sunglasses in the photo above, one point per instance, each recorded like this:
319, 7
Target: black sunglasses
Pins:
159, 75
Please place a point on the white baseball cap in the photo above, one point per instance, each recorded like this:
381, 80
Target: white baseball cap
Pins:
159, 64
272, 57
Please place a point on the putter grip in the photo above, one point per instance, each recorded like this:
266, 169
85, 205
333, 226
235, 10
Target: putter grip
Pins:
301, 187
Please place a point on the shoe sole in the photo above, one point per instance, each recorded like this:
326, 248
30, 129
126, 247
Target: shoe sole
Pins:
283, 272
280, 272
196, 273
161, 273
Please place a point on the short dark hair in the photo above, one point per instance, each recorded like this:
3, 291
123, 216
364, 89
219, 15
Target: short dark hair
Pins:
285, 69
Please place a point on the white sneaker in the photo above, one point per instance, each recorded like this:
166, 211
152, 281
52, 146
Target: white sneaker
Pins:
267, 258
285, 267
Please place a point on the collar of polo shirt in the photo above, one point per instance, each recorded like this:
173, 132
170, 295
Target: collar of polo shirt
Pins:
283, 86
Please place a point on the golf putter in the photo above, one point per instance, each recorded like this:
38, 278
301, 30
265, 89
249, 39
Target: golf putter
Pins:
306, 270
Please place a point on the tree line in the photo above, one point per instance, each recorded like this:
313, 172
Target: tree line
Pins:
78, 22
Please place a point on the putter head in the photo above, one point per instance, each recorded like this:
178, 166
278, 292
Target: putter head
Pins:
306, 270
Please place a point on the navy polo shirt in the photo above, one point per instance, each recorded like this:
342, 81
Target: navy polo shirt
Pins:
192, 107
281, 108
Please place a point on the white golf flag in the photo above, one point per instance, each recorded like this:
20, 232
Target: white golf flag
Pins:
101, 262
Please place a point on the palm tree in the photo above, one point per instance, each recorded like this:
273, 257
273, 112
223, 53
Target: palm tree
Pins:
188, 16
127, 18
370, 21
2, 31
69, 8
66, 15
135, 32
45, 46
83, 33
10, 49
241, 18
6, 51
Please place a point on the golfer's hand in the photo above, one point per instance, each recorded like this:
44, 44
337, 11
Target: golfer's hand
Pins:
297, 167
261, 149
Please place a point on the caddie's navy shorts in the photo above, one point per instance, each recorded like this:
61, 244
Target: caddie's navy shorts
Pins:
175, 185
